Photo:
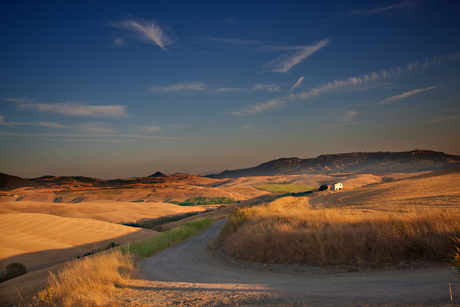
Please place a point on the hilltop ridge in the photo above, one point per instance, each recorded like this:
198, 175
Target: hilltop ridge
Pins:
354, 162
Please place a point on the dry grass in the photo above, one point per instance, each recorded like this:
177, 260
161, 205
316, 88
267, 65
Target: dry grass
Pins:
87, 282
281, 233
91, 280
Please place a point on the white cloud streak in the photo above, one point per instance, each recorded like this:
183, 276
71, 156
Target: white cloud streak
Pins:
442, 119
259, 108
406, 94
349, 116
151, 128
21, 100
228, 89
69, 136
146, 31
297, 84
43, 124
95, 128
268, 87
341, 125
77, 109
286, 61
180, 87
382, 9
370, 80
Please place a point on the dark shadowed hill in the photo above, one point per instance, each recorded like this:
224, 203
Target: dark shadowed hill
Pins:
9, 182
356, 162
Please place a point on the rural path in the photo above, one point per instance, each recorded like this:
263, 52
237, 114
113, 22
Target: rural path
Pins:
189, 274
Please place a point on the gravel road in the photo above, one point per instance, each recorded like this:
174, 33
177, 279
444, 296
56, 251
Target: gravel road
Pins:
192, 269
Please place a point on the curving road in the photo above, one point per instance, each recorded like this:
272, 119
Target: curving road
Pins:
190, 266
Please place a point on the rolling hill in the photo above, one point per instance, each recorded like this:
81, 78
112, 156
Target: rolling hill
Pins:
356, 162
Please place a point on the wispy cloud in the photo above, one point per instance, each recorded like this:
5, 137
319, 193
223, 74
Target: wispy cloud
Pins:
118, 42
286, 61
297, 84
349, 116
22, 100
151, 128
246, 127
77, 109
382, 9
180, 87
95, 128
235, 41
43, 124
406, 94
146, 31
341, 125
442, 119
259, 108
229, 89
268, 87
87, 137
229, 20
370, 80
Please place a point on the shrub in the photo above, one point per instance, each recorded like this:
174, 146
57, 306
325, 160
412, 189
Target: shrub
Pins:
323, 187
13, 270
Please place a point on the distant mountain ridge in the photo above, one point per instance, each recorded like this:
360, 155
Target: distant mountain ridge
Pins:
9, 182
355, 162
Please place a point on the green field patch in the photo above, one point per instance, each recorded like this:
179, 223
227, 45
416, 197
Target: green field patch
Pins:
284, 188
205, 201
155, 244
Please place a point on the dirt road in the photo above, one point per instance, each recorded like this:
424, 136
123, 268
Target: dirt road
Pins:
189, 275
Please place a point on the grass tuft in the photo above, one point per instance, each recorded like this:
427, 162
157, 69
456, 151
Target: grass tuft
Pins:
87, 282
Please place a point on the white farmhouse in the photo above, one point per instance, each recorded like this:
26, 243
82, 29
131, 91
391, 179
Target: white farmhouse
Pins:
337, 186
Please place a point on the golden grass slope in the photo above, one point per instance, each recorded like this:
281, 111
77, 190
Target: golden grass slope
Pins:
390, 223
40, 240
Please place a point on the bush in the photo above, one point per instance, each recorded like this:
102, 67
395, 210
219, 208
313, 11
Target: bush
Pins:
13, 270
323, 187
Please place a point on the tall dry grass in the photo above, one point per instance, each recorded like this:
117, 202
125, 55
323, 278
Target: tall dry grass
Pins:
91, 280
87, 282
281, 233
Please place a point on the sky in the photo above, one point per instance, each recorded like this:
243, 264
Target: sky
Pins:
119, 89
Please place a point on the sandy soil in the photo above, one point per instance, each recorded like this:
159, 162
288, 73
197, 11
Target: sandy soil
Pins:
190, 274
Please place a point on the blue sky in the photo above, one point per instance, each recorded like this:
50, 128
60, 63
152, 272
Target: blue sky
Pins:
116, 89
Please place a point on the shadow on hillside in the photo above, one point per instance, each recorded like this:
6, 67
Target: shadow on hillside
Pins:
29, 284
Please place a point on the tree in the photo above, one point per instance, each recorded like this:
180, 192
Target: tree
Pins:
16, 269
323, 187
